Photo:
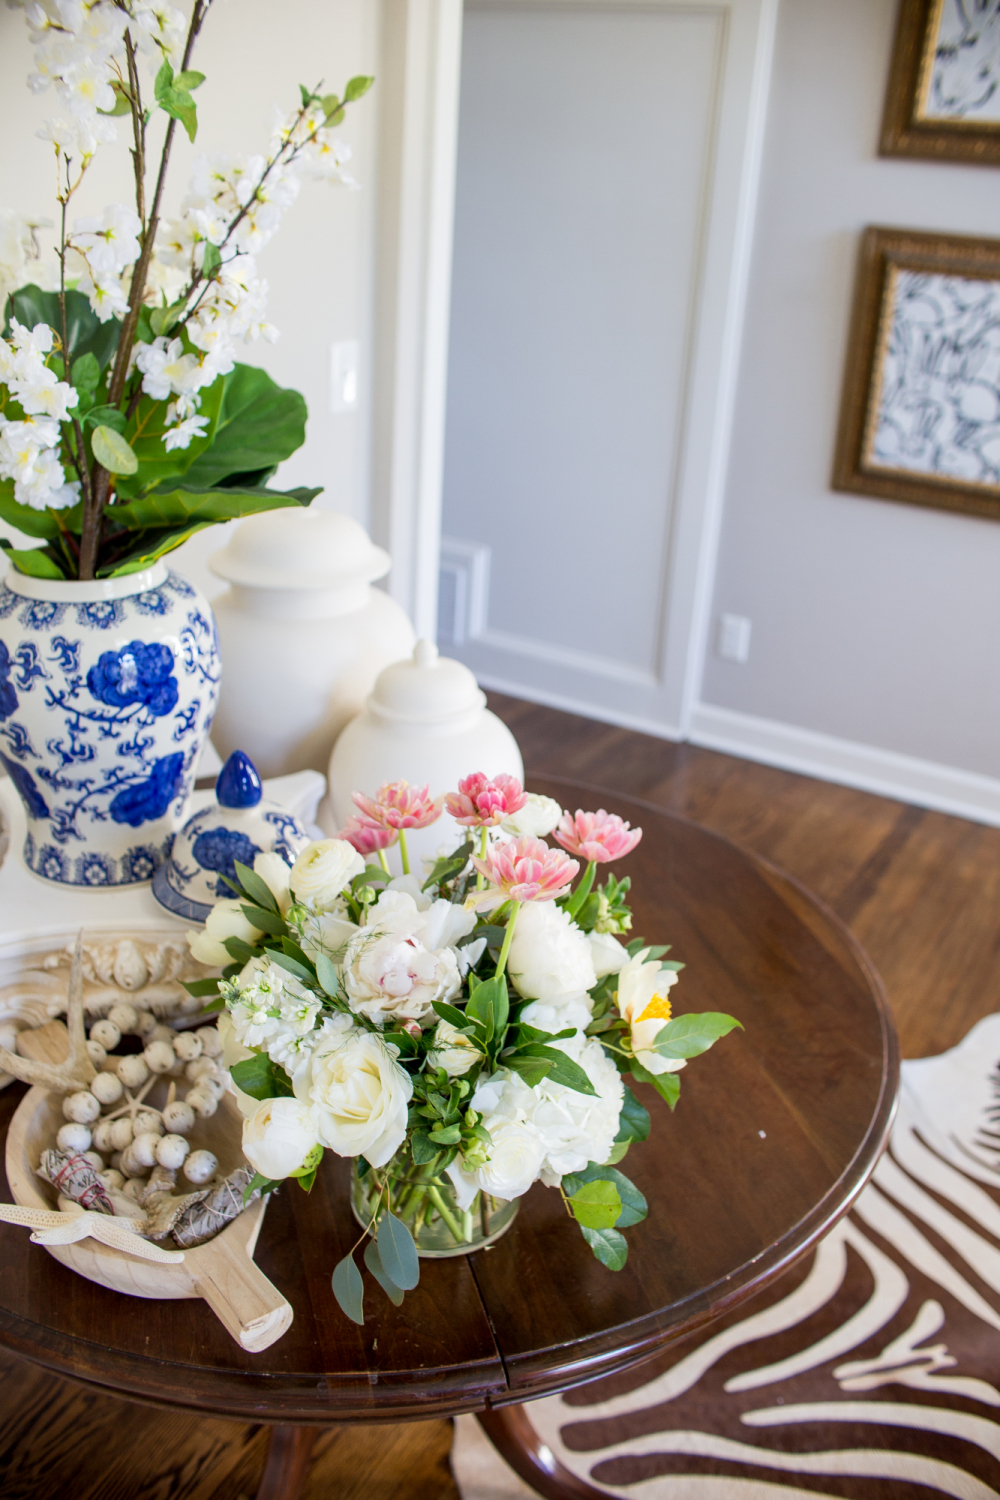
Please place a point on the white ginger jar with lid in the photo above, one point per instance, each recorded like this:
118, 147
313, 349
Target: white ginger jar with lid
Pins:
303, 635
426, 720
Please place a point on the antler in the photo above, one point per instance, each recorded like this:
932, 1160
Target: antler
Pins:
77, 1070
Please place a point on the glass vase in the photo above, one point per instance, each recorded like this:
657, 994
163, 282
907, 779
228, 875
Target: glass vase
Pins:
427, 1205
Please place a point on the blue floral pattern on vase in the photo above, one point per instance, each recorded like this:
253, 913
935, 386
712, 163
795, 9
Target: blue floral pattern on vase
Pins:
218, 849
104, 708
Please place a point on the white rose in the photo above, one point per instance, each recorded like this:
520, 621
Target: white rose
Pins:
225, 920
275, 874
278, 1137
642, 1001
359, 1095
549, 955
390, 968
322, 870
609, 956
452, 1050
535, 820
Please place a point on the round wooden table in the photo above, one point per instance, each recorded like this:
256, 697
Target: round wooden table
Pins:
776, 1132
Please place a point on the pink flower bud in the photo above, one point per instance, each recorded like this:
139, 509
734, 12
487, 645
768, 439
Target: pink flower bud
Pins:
398, 805
482, 803
600, 836
526, 870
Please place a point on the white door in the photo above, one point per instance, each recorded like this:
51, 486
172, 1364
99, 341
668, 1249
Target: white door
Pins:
607, 158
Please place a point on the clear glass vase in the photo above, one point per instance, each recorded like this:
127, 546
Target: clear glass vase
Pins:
427, 1205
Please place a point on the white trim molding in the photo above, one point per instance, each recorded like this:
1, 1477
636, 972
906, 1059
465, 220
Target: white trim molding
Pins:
947, 789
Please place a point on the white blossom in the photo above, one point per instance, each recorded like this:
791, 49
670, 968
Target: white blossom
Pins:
549, 955
181, 436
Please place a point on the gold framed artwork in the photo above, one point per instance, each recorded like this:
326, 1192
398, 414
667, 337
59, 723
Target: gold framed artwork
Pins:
943, 100
920, 412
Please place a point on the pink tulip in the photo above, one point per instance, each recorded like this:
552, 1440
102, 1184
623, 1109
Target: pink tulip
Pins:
526, 870
482, 803
599, 836
398, 805
367, 838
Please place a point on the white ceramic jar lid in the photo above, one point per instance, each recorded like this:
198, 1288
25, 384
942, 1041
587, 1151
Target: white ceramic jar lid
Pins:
427, 689
300, 549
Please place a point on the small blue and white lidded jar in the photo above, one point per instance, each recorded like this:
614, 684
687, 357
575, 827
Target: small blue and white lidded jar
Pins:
107, 693
240, 824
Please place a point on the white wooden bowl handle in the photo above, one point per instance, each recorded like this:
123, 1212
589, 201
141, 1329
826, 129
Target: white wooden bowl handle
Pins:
240, 1295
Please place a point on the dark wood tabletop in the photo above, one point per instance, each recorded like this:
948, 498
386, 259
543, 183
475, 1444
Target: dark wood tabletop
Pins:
776, 1131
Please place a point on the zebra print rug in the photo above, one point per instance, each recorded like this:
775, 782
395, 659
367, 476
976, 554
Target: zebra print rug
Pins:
871, 1371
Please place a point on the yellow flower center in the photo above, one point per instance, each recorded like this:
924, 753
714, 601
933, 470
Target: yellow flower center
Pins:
658, 1009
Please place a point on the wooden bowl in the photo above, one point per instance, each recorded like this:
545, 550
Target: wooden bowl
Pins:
221, 1271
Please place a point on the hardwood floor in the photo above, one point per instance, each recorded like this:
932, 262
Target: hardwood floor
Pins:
920, 890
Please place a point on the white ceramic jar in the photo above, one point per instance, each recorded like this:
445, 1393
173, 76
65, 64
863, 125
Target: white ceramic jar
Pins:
303, 635
425, 721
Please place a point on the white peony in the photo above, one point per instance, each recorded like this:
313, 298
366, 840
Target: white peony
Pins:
452, 1050
403, 960
322, 870
535, 820
225, 920
642, 1001
577, 1128
278, 1137
359, 1095
609, 956
549, 955
555, 1016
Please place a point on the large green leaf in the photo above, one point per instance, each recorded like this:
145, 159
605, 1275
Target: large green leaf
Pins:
261, 424
85, 332
133, 556
691, 1035
144, 434
35, 561
186, 506
22, 517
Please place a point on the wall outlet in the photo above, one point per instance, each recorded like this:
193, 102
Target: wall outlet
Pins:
734, 637
344, 358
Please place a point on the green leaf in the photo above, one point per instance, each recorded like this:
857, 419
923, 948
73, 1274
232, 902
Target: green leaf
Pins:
162, 319
290, 965
86, 374
449, 865
305, 95
271, 922
596, 1205
33, 561
455, 1017
617, 1153
398, 1252
106, 416
261, 1078
446, 1135
122, 105
531, 1069
189, 79
327, 975
163, 80
199, 988
690, 1036
349, 1289
260, 425
633, 1122
329, 104
186, 507
563, 1070
113, 452
374, 1263
608, 1245
257, 1181
422, 1148
41, 523
238, 949
146, 431
211, 261
310, 1165
255, 886
357, 87
667, 1085
633, 1205
85, 333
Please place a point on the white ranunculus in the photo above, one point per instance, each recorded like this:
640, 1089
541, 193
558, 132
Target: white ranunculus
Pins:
322, 870
225, 920
328, 932
452, 1050
609, 956
643, 1003
278, 1137
275, 874
396, 966
549, 955
535, 820
359, 1095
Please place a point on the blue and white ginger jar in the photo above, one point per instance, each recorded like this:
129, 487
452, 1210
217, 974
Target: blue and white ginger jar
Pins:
107, 693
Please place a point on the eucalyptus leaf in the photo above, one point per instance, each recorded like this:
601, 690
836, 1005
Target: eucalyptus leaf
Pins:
374, 1263
349, 1289
199, 988
238, 949
398, 1252
326, 973
290, 965
255, 886
271, 922
113, 452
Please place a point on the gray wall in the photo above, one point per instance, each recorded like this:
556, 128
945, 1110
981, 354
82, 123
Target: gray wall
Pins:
872, 621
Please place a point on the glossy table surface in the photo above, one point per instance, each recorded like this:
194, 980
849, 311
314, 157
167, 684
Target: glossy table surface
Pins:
776, 1131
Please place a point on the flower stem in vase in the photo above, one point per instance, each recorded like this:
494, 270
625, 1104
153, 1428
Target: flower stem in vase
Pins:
436, 1197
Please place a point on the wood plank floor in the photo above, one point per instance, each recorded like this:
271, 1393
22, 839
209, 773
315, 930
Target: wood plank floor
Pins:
921, 891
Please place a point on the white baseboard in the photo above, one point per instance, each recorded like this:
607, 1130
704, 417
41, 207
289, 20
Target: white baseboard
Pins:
581, 706
965, 794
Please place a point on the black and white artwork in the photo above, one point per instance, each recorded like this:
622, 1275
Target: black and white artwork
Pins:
936, 406
962, 76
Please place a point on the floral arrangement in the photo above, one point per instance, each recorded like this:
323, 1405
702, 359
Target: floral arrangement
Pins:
125, 422
460, 1035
